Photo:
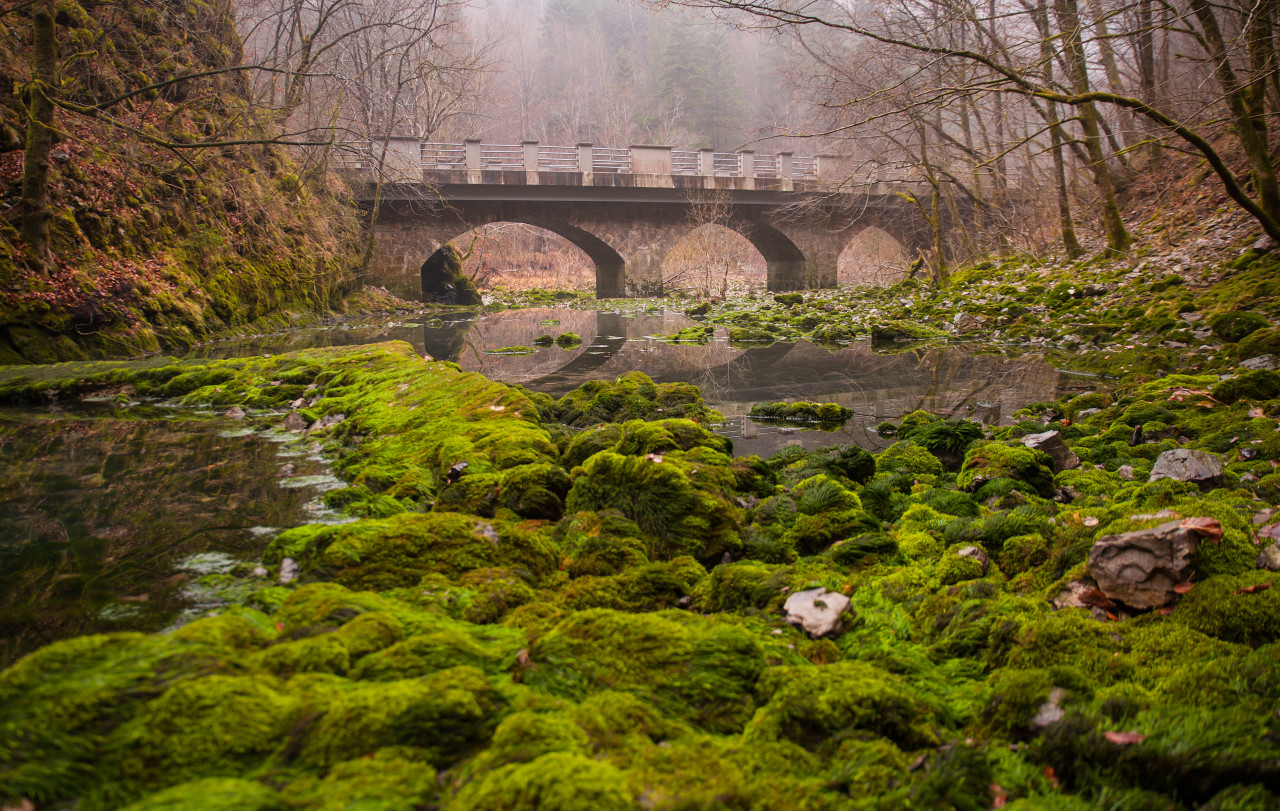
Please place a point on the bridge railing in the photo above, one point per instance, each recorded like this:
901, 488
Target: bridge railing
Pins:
403, 157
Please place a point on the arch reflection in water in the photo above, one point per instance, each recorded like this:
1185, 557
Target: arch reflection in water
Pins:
876, 385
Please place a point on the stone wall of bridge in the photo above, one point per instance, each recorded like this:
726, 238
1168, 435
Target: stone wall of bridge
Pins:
629, 240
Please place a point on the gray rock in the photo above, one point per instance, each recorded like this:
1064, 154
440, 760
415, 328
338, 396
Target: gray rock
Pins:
1269, 558
1087, 412
288, 570
978, 554
1186, 465
295, 422
1125, 472
235, 413
1050, 712
1264, 244
1141, 568
326, 421
818, 611
1267, 362
1050, 442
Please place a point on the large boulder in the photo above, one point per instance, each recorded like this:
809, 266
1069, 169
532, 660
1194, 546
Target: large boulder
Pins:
443, 279
818, 611
1187, 465
1051, 443
1141, 568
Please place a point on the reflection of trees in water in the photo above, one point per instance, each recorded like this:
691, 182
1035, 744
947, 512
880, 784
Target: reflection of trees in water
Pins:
92, 510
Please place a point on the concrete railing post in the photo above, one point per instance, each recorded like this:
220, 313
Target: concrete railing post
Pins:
707, 162
748, 168
402, 160
786, 168
585, 159
530, 162
471, 146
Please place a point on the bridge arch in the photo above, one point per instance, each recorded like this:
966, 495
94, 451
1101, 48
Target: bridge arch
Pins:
872, 257
609, 264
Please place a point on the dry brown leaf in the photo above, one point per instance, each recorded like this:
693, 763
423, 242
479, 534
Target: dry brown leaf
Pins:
1256, 587
1051, 776
1124, 738
1095, 597
1257, 412
999, 797
1210, 528
1183, 588
1166, 611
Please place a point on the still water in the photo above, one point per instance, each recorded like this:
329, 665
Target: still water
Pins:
877, 383
141, 517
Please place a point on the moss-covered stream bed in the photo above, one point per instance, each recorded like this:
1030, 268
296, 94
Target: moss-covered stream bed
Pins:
594, 602
874, 380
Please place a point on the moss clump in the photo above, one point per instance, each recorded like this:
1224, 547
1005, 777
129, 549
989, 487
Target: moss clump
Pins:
825, 413
1232, 327
398, 551
1241, 608
908, 457
1261, 384
568, 340
987, 461
905, 331
700, 672
696, 334
214, 794
1260, 342
632, 396
789, 299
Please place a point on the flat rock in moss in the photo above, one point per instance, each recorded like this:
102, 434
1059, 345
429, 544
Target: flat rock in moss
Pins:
1141, 568
1051, 443
818, 611
1187, 465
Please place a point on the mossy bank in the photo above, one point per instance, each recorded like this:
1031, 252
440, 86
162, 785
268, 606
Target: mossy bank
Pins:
538, 617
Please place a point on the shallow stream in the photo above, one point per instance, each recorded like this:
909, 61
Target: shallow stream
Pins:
136, 517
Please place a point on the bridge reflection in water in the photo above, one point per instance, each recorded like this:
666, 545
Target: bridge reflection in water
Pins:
876, 384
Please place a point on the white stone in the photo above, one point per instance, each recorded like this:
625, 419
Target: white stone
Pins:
818, 611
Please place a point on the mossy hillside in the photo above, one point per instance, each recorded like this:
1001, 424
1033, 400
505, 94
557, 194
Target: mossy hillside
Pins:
632, 649
153, 249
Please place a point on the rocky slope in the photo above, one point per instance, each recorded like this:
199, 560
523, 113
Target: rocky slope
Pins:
156, 246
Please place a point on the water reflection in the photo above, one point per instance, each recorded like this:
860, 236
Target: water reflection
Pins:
109, 523
877, 383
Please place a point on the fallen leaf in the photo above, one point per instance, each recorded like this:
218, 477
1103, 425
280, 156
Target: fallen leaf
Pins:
1124, 738
1183, 588
1257, 412
1166, 611
999, 797
1096, 598
1256, 587
1208, 527
1051, 776
1090, 521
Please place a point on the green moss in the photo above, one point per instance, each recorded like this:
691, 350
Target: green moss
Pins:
987, 461
398, 551
688, 668
447, 714
1232, 327
389, 779
1220, 607
826, 413
557, 781
908, 457
568, 340
809, 706
632, 396
1261, 384
214, 794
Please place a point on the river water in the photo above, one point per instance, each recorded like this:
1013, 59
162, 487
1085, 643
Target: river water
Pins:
139, 517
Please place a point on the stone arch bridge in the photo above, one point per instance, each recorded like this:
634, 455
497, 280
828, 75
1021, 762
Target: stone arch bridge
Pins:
625, 208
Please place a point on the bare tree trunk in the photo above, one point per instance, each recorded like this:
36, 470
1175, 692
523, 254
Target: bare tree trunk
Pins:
1245, 101
1144, 45
40, 122
1128, 135
1068, 14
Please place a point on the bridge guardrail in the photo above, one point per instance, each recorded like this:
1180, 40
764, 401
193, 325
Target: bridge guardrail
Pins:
404, 156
